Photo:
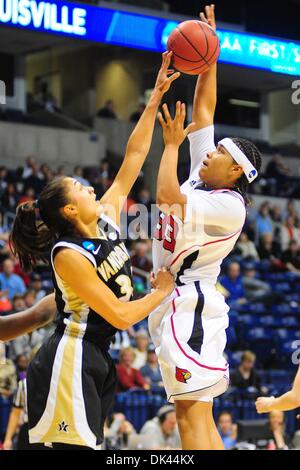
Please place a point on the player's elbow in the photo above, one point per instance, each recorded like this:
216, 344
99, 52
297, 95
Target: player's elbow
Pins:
119, 318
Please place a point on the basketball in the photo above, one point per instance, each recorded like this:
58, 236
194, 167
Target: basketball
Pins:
195, 46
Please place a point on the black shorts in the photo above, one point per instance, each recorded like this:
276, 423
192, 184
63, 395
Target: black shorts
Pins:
71, 385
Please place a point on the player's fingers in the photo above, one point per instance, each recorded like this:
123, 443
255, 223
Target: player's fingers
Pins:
178, 110
174, 77
164, 57
168, 59
203, 17
167, 113
183, 111
170, 71
161, 120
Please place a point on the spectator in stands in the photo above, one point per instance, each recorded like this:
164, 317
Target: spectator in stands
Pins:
151, 371
142, 343
117, 429
10, 282
78, 175
18, 415
28, 196
61, 171
233, 283
128, 377
277, 427
291, 258
108, 110
4, 232
277, 173
289, 232
255, 289
37, 286
276, 215
8, 378
290, 210
30, 298
30, 164
268, 249
48, 174
18, 303
10, 198
5, 304
21, 366
25, 345
246, 248
245, 376
3, 179
34, 181
140, 258
263, 221
162, 430
227, 430
137, 114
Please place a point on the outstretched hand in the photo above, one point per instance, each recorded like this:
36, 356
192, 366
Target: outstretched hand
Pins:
174, 131
166, 76
209, 16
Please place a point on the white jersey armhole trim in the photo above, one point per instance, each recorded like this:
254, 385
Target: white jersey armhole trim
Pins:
75, 247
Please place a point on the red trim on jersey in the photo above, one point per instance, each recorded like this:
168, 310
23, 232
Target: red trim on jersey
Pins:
205, 244
179, 345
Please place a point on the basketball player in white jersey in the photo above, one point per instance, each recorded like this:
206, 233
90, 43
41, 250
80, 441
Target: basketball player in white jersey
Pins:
199, 224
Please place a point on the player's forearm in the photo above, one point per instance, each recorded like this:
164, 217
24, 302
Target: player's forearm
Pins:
23, 322
140, 140
133, 312
288, 401
168, 188
205, 98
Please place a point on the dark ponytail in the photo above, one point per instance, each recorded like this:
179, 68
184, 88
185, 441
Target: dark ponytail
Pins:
39, 224
254, 155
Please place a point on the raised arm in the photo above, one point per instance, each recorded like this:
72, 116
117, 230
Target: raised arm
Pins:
101, 299
138, 145
35, 317
205, 98
169, 197
286, 402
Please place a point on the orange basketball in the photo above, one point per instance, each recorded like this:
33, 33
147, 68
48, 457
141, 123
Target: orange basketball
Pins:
195, 46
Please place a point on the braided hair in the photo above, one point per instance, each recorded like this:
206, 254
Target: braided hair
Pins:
254, 156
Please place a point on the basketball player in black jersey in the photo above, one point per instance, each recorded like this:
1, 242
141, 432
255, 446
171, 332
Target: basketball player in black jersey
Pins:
71, 381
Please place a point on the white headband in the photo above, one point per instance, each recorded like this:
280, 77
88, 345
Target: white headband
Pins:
249, 170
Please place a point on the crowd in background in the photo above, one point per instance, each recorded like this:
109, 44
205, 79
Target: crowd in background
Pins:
269, 243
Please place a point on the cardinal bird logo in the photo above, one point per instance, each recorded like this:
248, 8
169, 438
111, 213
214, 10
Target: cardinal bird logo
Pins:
182, 375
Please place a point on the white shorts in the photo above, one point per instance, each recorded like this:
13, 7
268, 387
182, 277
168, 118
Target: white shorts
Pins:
188, 331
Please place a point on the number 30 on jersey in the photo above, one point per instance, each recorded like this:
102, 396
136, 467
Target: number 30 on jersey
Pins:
166, 231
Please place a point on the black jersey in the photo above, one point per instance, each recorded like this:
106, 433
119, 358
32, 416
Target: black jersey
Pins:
109, 256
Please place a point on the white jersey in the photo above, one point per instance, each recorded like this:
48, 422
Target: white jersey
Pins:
194, 249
